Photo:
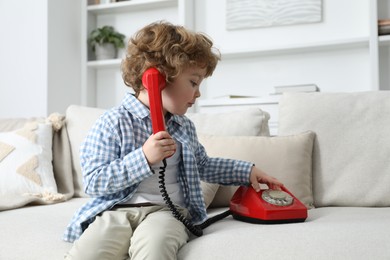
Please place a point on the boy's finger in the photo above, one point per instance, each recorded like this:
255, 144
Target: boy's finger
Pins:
162, 135
256, 185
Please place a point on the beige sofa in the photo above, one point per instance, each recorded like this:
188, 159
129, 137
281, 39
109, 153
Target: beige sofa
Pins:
332, 152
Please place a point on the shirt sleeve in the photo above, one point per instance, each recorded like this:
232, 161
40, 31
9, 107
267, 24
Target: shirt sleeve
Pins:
219, 170
106, 170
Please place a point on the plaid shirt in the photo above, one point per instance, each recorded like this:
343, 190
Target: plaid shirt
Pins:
113, 163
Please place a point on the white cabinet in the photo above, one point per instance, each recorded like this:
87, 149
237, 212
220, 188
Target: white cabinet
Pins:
102, 84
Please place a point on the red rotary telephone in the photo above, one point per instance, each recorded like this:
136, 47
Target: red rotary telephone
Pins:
266, 207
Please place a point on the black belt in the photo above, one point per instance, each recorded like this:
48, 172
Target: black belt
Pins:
135, 205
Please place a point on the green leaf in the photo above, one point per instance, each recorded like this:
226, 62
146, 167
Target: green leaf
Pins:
106, 34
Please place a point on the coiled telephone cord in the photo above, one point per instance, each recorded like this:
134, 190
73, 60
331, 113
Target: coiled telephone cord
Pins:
197, 230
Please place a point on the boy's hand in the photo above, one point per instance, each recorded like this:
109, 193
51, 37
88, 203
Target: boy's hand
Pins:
158, 146
258, 176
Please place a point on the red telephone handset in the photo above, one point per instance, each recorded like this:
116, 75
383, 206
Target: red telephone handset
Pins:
154, 82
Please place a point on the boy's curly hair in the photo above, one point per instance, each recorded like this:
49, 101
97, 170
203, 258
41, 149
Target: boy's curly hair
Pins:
169, 48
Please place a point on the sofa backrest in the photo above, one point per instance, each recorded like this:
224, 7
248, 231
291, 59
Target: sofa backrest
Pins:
79, 120
351, 150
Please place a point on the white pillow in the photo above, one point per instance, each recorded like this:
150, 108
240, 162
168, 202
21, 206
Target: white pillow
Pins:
250, 122
26, 161
351, 152
288, 158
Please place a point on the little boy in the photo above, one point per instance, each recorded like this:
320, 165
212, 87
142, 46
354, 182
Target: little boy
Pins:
127, 216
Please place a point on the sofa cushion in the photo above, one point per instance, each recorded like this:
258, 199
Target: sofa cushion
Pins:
79, 120
34, 233
328, 233
62, 163
26, 171
351, 151
287, 158
250, 122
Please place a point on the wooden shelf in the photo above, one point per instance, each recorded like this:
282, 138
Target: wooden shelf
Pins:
129, 6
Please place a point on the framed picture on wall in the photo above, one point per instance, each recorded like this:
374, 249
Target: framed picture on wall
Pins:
244, 14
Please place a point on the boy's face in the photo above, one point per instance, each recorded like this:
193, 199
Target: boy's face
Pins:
182, 93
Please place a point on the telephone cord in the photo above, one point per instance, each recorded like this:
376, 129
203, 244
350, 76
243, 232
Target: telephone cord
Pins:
197, 230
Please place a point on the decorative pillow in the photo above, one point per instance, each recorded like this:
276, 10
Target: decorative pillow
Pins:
209, 190
26, 165
351, 152
288, 158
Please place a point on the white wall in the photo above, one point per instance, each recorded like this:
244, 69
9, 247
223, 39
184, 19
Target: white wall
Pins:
40, 56
332, 70
341, 19
23, 62
40, 66
64, 54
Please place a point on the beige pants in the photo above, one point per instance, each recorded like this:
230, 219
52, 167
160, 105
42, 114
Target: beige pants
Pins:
135, 232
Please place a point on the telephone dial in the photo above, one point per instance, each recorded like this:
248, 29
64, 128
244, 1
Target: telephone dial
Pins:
265, 207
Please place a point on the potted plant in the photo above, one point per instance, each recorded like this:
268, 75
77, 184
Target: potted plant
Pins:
105, 42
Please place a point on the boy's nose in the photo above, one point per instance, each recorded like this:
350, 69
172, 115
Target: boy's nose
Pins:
197, 94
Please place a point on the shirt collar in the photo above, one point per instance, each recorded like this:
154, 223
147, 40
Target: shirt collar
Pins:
134, 106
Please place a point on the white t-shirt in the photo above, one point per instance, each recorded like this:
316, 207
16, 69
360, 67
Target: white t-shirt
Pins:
149, 191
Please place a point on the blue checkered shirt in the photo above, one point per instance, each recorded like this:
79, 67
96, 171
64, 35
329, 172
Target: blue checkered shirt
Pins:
113, 163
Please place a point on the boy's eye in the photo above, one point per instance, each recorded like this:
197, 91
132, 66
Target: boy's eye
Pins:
193, 83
